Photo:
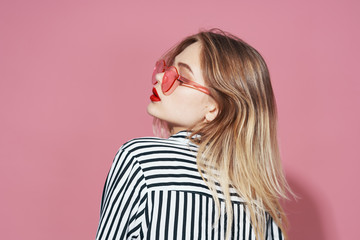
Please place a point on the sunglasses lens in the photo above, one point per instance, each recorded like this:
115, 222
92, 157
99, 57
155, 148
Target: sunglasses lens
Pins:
159, 68
169, 82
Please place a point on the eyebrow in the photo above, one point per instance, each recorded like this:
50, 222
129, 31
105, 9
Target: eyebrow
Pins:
181, 64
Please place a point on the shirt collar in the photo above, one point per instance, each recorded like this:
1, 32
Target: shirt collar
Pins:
183, 136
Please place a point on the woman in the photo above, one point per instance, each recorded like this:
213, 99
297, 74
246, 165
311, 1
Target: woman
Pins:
218, 176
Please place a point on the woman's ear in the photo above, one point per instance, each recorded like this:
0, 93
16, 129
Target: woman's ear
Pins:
212, 110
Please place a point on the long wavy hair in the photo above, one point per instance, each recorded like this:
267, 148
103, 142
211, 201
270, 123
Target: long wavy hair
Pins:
239, 148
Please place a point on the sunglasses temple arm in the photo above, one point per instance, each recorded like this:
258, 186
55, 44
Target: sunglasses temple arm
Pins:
197, 87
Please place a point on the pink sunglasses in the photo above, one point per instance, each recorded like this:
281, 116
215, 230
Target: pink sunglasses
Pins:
169, 83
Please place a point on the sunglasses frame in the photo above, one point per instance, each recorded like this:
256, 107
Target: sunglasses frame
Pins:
176, 81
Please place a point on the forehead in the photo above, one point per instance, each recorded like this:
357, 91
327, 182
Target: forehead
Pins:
190, 55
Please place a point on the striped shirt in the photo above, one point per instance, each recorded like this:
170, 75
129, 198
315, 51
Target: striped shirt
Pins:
154, 191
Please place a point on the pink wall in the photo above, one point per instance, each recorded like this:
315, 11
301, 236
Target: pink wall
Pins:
75, 82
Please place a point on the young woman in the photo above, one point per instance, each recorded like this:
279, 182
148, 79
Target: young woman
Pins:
218, 176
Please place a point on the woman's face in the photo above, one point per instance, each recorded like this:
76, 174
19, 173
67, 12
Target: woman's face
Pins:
185, 107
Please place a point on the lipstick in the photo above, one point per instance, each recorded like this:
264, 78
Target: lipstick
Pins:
155, 97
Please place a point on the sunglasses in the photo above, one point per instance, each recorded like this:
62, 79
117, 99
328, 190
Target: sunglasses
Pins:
172, 79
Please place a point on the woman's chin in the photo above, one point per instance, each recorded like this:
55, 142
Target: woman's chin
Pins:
150, 109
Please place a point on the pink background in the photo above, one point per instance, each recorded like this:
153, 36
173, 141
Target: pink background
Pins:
75, 83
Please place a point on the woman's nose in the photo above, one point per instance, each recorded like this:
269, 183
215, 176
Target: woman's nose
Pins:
159, 77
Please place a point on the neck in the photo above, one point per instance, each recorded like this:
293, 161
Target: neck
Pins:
175, 130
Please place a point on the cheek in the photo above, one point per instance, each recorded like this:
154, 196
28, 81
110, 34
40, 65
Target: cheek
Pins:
189, 108
182, 108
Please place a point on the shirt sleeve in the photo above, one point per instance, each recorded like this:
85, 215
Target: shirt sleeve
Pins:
124, 199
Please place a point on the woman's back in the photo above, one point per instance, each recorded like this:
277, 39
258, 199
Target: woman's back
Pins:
154, 191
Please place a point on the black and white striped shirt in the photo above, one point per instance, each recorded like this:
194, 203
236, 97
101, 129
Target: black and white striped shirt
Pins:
154, 191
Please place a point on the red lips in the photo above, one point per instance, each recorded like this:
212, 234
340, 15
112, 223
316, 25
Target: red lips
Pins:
155, 97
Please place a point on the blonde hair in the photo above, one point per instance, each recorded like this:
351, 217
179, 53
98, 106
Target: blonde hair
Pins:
239, 148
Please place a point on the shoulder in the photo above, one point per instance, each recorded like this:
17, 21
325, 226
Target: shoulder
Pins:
162, 161
142, 143
144, 146
159, 157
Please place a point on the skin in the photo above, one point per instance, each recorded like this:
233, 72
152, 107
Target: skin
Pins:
185, 107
